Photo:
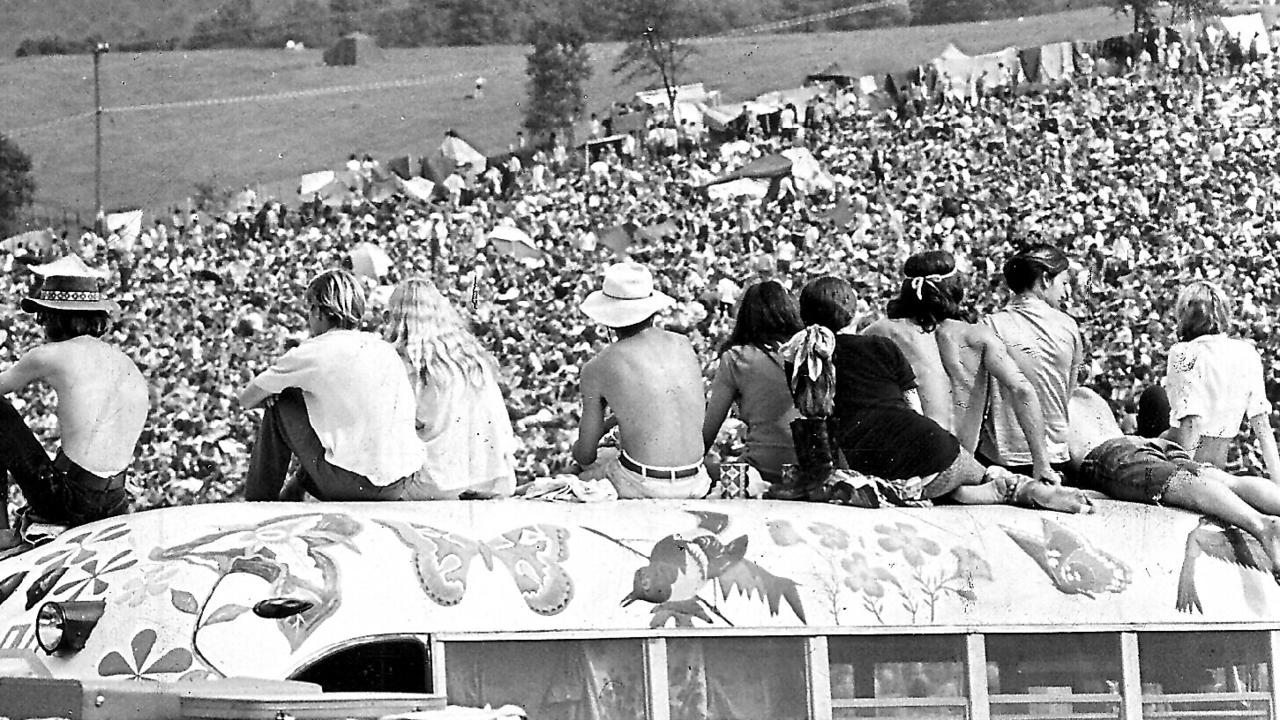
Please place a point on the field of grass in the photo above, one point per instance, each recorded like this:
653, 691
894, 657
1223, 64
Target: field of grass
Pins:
154, 157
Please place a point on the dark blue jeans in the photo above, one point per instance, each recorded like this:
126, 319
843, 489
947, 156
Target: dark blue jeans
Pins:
286, 431
56, 490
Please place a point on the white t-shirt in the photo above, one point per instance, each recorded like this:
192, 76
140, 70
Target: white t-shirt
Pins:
1217, 378
359, 400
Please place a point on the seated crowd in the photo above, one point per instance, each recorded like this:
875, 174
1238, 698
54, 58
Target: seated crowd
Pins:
941, 394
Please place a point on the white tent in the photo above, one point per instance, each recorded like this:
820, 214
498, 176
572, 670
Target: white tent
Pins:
312, 183
961, 73
1246, 28
461, 152
1057, 61
691, 93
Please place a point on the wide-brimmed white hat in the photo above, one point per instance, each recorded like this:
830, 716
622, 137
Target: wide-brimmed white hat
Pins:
628, 296
71, 285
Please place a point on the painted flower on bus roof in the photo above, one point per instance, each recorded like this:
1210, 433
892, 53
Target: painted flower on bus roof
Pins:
830, 536
115, 664
904, 538
862, 577
154, 580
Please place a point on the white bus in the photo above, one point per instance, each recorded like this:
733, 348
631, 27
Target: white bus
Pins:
672, 610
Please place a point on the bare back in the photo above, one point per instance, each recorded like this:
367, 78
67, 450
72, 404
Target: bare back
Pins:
102, 401
963, 349
653, 383
922, 351
1091, 424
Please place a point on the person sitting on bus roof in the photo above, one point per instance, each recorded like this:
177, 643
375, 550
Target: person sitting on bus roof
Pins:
875, 413
954, 359
340, 402
652, 381
1161, 472
102, 405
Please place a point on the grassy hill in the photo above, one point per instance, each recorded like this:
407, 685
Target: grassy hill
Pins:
154, 157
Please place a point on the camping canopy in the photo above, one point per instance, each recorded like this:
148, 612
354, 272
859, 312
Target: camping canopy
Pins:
353, 49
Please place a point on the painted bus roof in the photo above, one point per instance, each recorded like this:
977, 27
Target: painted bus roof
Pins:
180, 584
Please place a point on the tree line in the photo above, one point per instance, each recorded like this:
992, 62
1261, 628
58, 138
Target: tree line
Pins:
414, 23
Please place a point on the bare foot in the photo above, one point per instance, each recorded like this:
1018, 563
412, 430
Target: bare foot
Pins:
1047, 496
1270, 539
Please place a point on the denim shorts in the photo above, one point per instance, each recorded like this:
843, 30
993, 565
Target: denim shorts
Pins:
1136, 469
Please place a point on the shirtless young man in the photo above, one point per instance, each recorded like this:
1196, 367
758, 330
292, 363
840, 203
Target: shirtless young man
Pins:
955, 360
1156, 471
652, 381
102, 405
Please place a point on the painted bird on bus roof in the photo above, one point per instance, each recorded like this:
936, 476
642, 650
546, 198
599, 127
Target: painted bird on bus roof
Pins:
1073, 564
1226, 543
680, 567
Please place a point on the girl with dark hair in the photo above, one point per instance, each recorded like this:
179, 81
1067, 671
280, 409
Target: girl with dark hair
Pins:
1214, 381
957, 361
875, 415
751, 375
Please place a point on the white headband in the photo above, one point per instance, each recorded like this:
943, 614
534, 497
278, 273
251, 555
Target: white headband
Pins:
917, 283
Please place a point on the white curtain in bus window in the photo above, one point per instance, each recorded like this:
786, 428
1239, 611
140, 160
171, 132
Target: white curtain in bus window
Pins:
1067, 676
1196, 675
563, 679
736, 678
898, 676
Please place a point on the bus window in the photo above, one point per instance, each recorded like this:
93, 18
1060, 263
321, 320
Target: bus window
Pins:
900, 676
1204, 674
379, 665
737, 678
549, 678
1080, 671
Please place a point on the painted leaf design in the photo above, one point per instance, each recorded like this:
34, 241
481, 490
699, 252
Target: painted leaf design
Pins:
174, 661
184, 601
114, 664
226, 613
113, 533
142, 644
297, 628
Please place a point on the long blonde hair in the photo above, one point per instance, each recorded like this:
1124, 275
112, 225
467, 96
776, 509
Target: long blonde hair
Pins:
432, 336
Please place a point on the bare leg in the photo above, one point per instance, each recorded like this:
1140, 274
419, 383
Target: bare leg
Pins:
995, 485
1206, 493
1261, 493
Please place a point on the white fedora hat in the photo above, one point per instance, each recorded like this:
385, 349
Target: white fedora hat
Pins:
628, 296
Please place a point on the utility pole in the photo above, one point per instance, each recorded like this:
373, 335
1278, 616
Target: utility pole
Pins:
98, 51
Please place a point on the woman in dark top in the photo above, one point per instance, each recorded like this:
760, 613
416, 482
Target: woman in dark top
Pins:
875, 417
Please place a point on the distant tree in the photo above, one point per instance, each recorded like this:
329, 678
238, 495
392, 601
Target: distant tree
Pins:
233, 24
557, 69
479, 22
356, 15
304, 21
17, 187
1185, 10
1142, 11
652, 30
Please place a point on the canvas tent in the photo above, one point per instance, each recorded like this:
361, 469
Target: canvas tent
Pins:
961, 72
1246, 28
353, 49
460, 152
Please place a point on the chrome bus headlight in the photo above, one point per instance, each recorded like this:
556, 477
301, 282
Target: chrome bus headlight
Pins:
65, 626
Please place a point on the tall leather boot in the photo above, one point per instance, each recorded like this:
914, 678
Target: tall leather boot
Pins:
815, 457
